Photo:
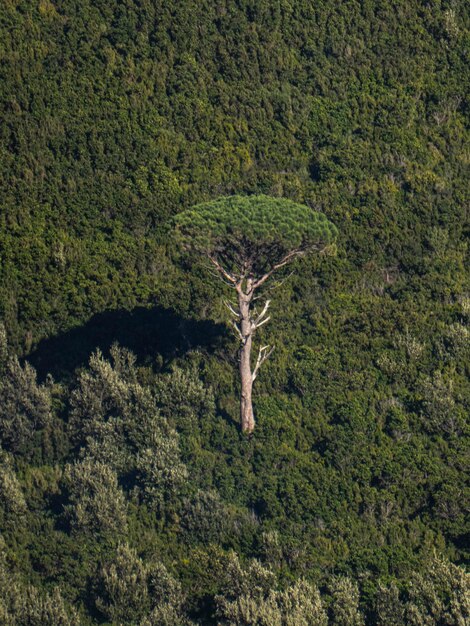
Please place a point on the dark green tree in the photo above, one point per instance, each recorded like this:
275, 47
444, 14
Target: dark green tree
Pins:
247, 239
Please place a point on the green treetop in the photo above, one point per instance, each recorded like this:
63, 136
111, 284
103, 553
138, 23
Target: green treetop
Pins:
252, 235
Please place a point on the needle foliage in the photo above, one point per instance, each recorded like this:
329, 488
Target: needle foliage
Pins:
257, 230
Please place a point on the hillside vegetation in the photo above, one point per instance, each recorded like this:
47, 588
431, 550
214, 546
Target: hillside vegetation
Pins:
128, 494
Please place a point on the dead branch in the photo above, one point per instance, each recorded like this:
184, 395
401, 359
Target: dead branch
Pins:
218, 275
290, 256
262, 314
225, 273
239, 332
231, 309
263, 354
287, 259
258, 324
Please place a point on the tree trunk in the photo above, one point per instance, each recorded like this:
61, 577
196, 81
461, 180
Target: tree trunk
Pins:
246, 406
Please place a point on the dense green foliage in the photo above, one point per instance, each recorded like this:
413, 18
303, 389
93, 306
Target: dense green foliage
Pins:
127, 493
249, 234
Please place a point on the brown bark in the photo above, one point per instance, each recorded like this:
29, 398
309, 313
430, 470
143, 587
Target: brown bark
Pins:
246, 284
246, 376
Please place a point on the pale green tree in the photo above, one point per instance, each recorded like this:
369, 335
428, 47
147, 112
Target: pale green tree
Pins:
40, 609
389, 608
96, 502
116, 420
250, 598
130, 591
440, 595
183, 398
25, 406
122, 587
344, 608
12, 500
160, 471
26, 605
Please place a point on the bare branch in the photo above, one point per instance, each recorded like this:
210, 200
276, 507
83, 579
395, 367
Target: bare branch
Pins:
225, 273
287, 259
218, 275
231, 309
263, 354
263, 313
258, 324
239, 332
290, 256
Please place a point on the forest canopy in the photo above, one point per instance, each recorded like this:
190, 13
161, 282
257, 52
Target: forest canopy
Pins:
127, 493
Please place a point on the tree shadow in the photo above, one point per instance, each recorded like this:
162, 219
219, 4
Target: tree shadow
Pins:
155, 335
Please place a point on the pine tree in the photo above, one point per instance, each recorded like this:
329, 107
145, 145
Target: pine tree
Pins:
247, 239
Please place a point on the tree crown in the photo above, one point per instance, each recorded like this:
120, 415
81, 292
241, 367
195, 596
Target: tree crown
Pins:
250, 234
